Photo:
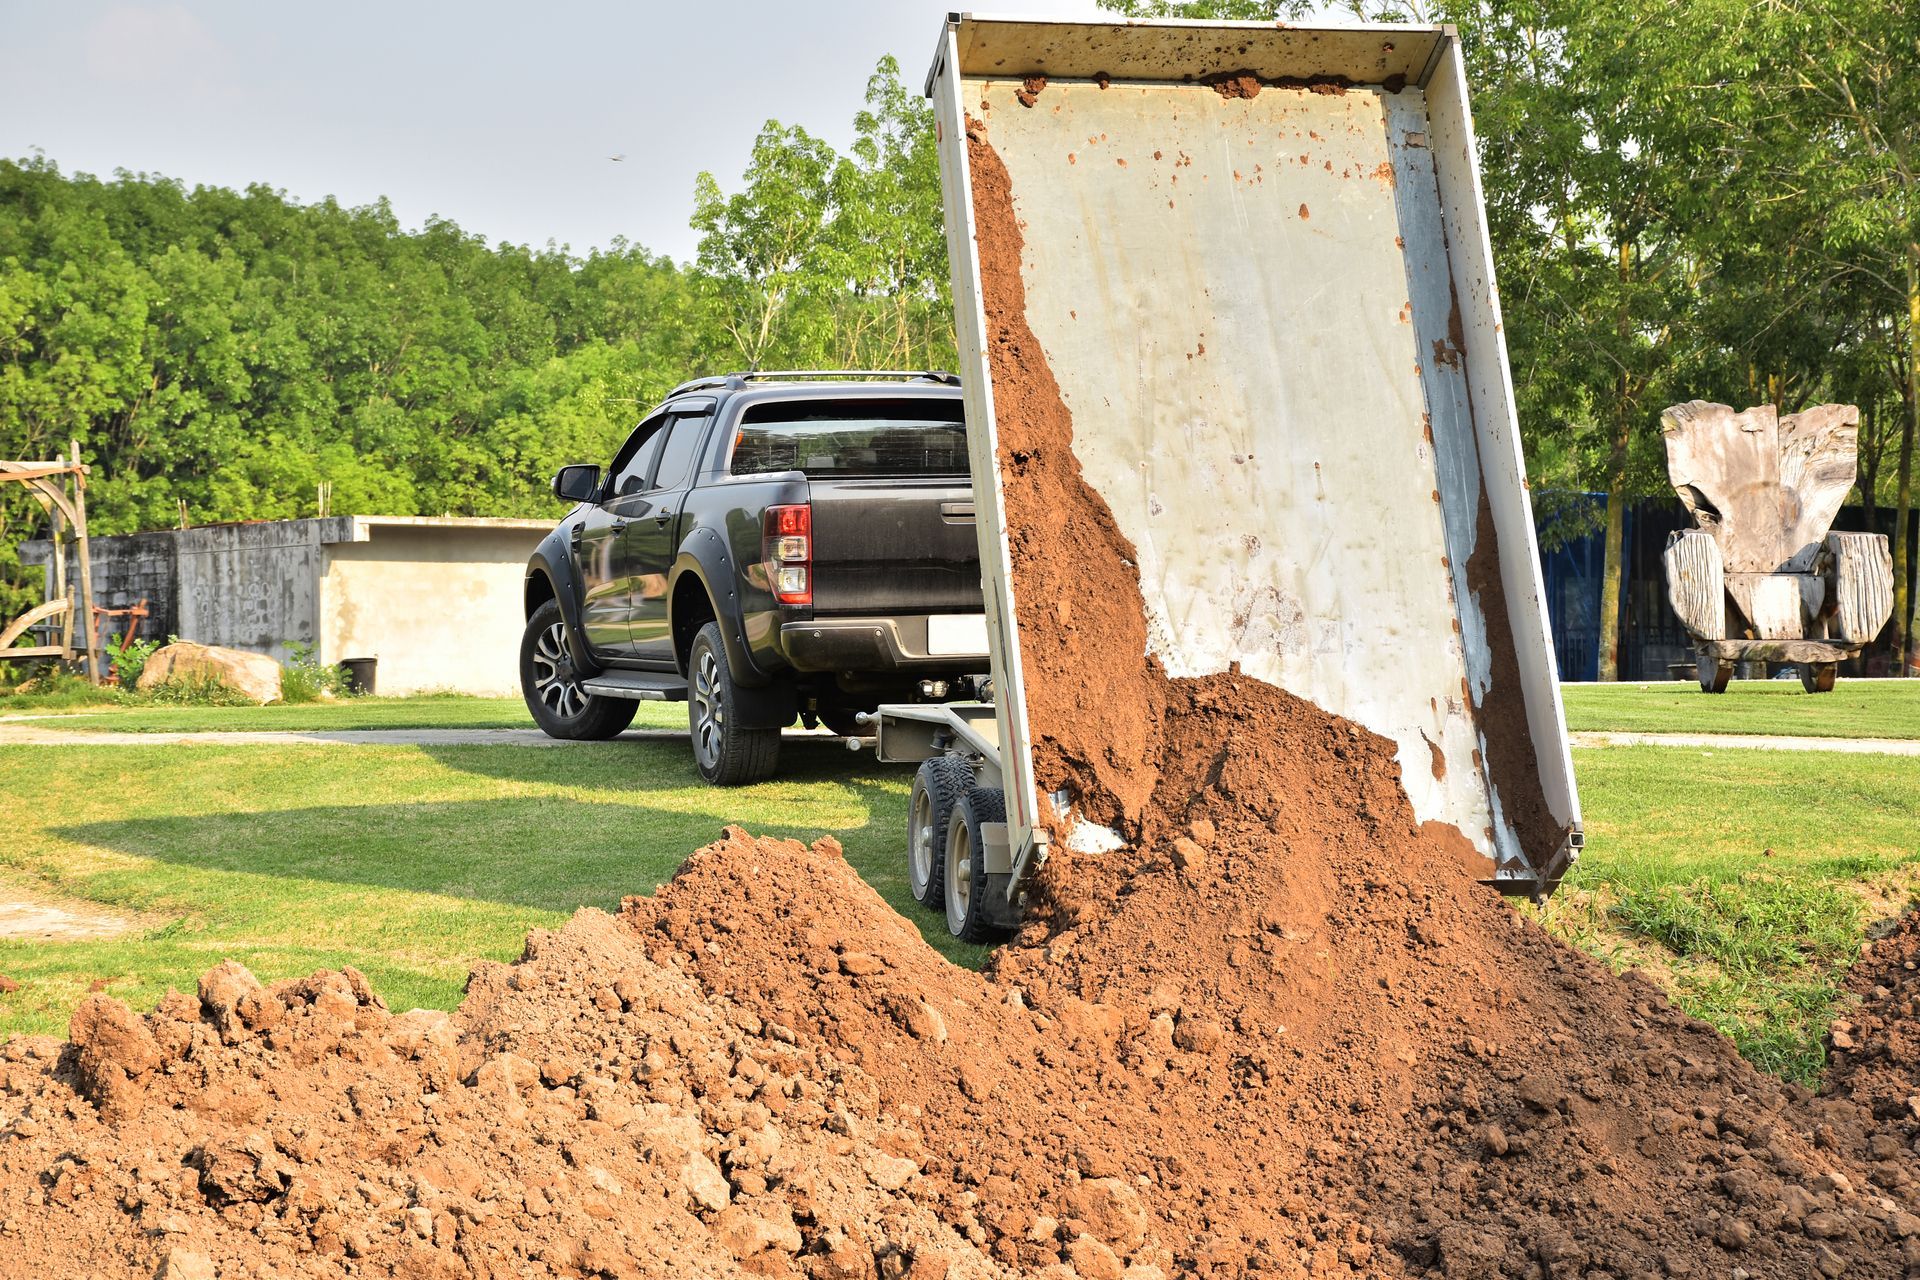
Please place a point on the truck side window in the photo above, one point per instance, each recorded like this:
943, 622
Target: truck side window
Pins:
635, 459
682, 442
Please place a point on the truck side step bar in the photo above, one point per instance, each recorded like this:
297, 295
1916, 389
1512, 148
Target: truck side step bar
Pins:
642, 686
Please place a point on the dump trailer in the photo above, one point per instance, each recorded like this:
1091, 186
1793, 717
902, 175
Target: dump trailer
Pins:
1330, 493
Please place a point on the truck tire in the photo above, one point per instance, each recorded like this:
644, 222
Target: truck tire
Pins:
941, 783
726, 754
552, 689
964, 870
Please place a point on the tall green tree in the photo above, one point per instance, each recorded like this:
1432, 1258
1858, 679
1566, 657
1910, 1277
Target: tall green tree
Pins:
820, 259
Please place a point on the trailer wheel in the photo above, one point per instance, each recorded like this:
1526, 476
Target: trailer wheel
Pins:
965, 869
1714, 675
1818, 677
942, 783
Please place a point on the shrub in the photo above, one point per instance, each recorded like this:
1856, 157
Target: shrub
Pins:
128, 665
195, 691
304, 678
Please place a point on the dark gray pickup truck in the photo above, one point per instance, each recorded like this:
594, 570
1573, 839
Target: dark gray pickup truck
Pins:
768, 548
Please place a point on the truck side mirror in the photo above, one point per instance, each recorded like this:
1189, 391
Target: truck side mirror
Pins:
577, 483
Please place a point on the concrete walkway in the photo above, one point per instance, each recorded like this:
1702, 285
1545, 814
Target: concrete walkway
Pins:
18, 734
1750, 742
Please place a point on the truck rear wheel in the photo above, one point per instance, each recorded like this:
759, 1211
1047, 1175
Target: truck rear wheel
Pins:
965, 869
552, 689
941, 783
726, 753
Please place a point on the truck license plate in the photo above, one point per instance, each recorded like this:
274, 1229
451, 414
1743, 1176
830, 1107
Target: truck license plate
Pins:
953, 634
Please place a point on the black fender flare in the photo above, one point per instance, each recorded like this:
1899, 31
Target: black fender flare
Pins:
553, 559
764, 702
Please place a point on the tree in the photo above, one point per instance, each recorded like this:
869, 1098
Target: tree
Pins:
761, 245
830, 260
1842, 81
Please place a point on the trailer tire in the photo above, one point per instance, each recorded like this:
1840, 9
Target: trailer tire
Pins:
965, 866
727, 753
941, 783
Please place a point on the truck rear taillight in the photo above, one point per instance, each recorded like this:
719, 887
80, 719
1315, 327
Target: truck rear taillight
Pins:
786, 549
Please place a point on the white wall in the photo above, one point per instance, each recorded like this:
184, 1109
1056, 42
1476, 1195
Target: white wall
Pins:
439, 604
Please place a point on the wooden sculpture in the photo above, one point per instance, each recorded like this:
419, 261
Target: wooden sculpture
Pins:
1760, 578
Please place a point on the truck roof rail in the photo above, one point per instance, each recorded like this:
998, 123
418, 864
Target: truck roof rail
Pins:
735, 381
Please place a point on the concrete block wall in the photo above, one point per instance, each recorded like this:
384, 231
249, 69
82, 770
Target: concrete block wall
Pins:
436, 600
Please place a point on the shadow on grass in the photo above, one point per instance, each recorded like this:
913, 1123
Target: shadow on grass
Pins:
602, 821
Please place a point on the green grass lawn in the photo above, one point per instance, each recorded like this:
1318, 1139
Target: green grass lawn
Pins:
1746, 879
448, 712
408, 862
1855, 709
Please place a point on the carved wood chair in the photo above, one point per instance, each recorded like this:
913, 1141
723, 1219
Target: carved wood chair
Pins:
1761, 577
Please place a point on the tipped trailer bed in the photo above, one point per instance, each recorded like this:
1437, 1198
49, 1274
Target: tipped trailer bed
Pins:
1330, 491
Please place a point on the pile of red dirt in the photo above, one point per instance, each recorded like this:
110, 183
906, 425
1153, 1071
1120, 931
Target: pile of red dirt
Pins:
1284, 1031
586, 1112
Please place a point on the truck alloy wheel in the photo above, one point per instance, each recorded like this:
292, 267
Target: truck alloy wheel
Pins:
709, 713
553, 678
727, 753
551, 685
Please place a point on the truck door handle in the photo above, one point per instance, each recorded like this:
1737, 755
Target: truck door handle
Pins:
661, 517
617, 526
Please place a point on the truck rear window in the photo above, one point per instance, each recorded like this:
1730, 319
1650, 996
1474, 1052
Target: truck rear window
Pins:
853, 438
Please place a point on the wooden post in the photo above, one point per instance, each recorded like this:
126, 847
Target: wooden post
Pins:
58, 537
84, 600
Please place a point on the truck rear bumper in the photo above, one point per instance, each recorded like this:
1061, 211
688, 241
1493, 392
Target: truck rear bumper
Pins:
952, 644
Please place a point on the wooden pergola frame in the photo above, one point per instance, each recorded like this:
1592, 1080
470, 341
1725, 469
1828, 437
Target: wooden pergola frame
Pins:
60, 487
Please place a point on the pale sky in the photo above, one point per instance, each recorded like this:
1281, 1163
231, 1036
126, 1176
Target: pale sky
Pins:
499, 116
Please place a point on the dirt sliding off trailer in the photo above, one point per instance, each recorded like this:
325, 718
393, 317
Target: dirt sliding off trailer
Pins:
1248, 266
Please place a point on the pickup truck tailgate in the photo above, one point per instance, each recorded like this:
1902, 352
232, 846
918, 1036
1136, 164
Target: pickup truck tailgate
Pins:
894, 545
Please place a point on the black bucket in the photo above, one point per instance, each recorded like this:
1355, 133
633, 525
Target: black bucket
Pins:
360, 674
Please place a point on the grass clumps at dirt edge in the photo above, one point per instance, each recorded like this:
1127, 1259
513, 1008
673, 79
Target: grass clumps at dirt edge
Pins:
1745, 882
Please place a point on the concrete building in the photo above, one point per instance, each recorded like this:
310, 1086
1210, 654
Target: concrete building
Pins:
436, 600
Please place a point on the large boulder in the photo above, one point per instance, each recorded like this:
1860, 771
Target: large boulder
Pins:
253, 674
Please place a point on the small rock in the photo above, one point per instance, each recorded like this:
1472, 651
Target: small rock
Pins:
746, 1232
184, 1264
1828, 1263
420, 1221
1494, 1138
1733, 1233
1202, 831
1198, 1035
1539, 1092
1824, 1224
702, 1180
1092, 1260
1188, 855
1111, 1211
858, 964
890, 1173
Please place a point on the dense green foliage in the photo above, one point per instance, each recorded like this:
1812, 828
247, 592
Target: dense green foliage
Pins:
235, 351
